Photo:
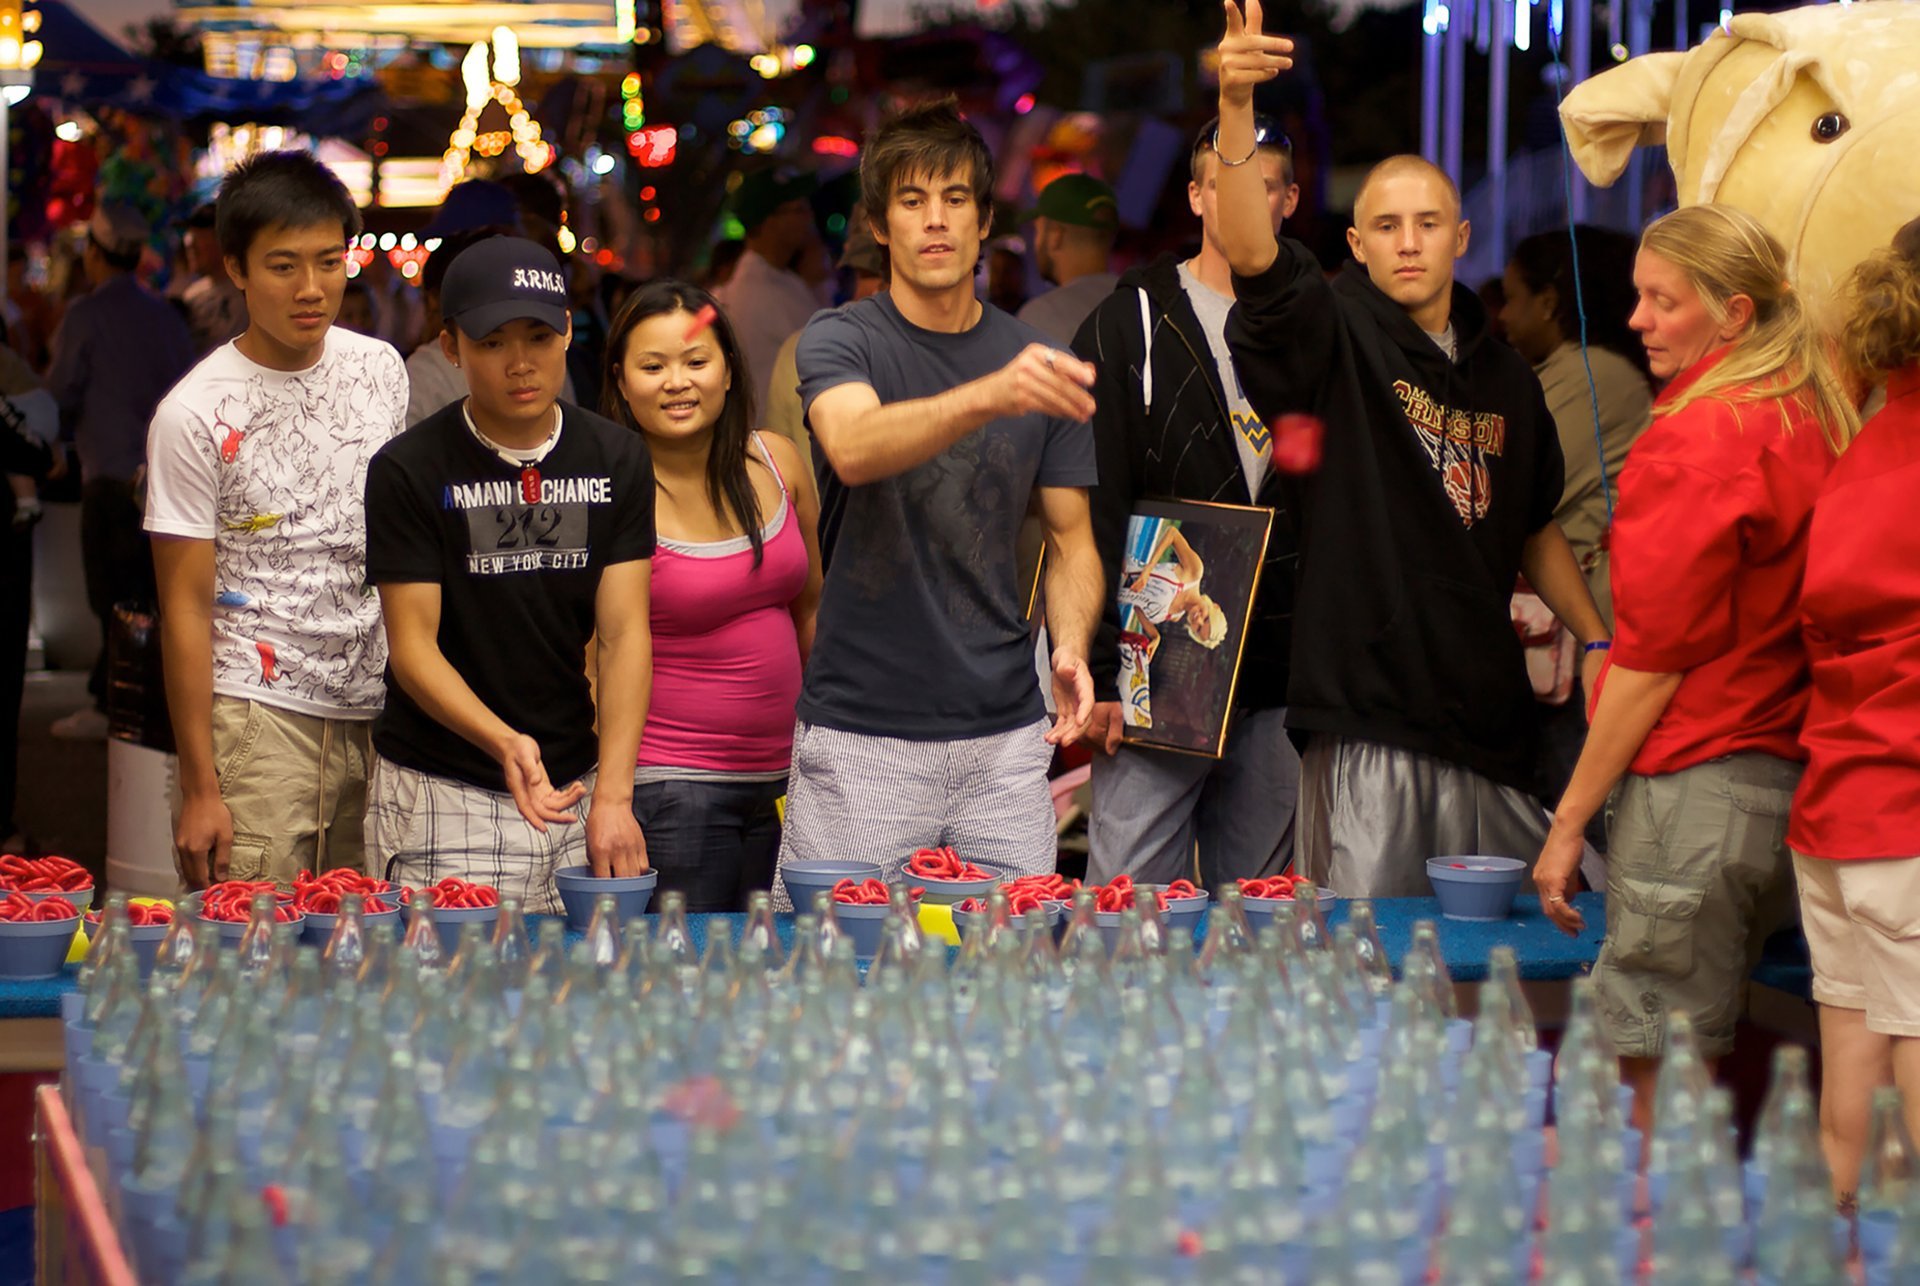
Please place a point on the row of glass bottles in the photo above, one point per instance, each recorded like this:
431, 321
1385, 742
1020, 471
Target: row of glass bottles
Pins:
1272, 1109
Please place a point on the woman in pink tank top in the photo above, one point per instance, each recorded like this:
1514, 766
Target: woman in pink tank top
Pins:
736, 580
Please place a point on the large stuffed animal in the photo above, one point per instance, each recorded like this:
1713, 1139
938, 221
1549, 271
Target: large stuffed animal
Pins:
1809, 120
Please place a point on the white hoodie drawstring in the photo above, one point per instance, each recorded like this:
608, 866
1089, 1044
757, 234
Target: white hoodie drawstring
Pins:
1146, 363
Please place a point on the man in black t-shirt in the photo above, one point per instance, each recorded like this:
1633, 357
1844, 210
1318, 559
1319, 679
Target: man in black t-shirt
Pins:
920, 720
503, 533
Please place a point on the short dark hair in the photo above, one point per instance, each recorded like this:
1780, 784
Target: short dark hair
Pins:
1267, 137
291, 189
931, 139
119, 261
1545, 261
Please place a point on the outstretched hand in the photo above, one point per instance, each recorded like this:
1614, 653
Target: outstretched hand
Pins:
1072, 698
534, 793
1249, 57
1048, 380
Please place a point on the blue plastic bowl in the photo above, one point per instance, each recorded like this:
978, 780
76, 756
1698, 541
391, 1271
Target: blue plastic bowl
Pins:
146, 940
447, 922
318, 927
948, 892
35, 948
965, 922
1183, 915
864, 924
804, 879
1260, 910
234, 930
579, 887
1476, 888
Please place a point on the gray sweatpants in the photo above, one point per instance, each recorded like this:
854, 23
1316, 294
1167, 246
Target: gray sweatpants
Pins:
877, 799
1150, 808
1371, 815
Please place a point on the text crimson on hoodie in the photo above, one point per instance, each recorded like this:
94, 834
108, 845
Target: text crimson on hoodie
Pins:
1160, 433
1434, 475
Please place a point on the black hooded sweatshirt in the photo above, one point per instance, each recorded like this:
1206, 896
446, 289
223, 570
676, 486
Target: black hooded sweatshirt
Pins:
1434, 475
1161, 432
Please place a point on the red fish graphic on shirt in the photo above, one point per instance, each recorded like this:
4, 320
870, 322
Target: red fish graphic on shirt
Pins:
269, 663
230, 446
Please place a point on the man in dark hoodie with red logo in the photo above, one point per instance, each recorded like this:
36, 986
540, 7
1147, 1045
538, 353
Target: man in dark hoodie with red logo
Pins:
1437, 487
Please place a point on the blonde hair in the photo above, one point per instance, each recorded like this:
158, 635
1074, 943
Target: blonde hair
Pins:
1882, 330
1213, 632
1725, 252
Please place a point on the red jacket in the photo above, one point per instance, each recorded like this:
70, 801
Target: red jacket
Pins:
1860, 796
1708, 546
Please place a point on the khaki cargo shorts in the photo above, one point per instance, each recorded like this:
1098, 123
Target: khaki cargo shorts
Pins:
1698, 875
296, 785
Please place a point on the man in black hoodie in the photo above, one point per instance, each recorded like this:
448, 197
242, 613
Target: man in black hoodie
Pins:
1173, 423
1441, 472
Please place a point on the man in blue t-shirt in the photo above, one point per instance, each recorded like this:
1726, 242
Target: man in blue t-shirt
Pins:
920, 723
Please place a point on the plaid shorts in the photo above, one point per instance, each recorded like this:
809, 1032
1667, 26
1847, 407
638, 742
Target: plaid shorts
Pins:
422, 828
876, 799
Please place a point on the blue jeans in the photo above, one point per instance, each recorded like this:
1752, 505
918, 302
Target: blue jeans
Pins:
714, 841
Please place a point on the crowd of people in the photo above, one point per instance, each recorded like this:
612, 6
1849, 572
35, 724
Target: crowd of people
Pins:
437, 617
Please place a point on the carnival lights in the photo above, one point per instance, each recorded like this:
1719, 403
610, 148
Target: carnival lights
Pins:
522, 133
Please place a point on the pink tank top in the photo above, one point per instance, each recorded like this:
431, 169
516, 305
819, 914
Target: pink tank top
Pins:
726, 659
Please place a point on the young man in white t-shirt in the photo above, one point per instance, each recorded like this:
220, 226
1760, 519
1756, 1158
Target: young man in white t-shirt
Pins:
257, 465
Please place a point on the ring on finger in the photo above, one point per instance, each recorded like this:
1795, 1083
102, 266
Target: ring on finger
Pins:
1049, 359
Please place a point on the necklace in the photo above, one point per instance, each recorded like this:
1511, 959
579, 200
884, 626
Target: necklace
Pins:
526, 461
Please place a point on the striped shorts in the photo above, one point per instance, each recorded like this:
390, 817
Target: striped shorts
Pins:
422, 828
877, 799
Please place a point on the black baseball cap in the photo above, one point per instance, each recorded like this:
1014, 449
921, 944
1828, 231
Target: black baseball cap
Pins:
504, 279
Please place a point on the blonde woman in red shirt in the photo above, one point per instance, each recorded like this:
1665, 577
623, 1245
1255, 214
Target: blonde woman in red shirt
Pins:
1856, 817
1696, 725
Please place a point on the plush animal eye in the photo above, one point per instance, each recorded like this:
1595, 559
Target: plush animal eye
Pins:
1830, 127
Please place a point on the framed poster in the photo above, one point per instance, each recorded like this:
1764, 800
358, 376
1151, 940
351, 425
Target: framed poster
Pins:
1186, 588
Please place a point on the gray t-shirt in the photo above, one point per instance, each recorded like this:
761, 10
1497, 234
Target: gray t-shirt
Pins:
1057, 313
1251, 437
921, 633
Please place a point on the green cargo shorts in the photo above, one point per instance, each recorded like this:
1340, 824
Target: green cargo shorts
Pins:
1698, 875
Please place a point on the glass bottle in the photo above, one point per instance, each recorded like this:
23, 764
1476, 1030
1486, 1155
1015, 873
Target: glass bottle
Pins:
1503, 969
1367, 945
603, 933
760, 938
423, 936
511, 950
99, 938
550, 955
1311, 925
1426, 947
346, 947
1890, 1169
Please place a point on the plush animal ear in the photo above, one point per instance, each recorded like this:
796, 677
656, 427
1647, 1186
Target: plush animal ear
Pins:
1608, 115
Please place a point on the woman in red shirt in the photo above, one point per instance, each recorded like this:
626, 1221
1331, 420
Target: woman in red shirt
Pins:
1697, 717
1856, 817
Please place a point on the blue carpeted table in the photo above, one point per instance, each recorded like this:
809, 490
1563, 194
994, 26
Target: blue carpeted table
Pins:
1545, 954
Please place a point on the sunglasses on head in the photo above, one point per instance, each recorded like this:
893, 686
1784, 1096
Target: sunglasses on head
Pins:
1266, 133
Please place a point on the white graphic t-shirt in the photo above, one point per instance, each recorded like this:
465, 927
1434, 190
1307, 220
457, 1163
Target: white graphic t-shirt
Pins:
272, 467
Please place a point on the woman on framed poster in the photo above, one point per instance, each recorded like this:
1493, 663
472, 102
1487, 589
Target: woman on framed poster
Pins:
1160, 587
1188, 574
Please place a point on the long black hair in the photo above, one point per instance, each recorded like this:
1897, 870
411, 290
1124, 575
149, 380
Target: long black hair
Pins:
728, 486
1606, 286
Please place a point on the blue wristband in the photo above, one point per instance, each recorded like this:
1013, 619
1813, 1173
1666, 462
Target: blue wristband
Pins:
1604, 645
